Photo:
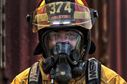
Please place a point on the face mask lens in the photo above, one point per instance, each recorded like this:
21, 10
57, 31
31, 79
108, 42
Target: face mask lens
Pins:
71, 37
57, 36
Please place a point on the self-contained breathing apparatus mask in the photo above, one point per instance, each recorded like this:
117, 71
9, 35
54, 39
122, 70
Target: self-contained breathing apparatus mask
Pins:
64, 59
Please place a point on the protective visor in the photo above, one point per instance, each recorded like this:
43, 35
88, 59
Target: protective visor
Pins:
61, 14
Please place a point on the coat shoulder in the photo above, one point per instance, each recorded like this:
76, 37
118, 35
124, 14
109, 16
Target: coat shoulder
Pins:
109, 76
21, 78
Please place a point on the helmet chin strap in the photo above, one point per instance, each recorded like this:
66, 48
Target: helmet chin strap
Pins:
65, 63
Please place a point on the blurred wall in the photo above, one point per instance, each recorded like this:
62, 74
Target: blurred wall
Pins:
109, 35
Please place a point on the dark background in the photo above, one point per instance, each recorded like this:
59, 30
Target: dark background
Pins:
109, 34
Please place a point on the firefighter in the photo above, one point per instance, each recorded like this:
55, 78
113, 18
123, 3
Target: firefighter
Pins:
64, 30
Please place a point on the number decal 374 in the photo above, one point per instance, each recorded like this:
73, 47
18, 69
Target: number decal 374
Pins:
58, 7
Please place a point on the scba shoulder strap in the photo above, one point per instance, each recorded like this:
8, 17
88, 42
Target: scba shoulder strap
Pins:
34, 74
93, 72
